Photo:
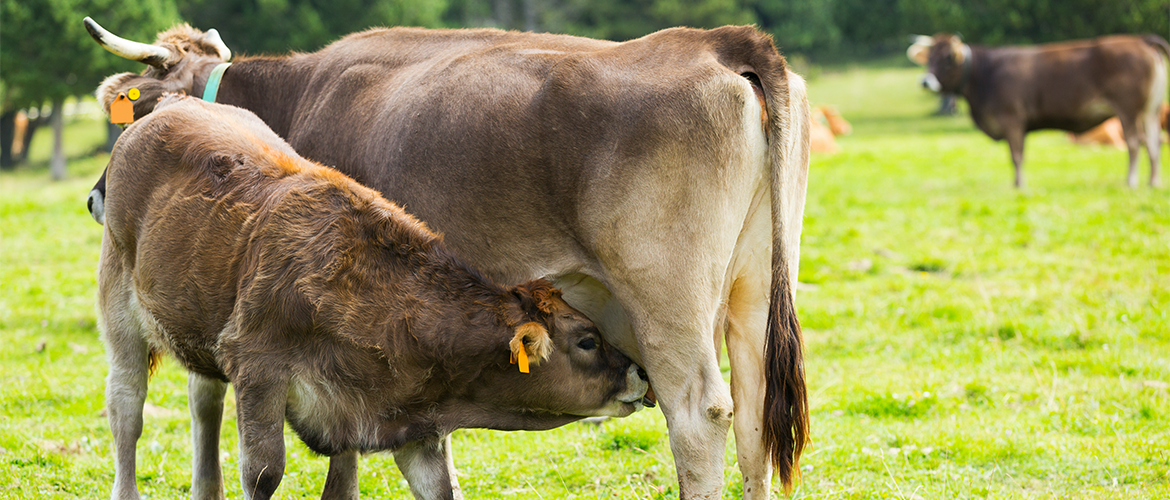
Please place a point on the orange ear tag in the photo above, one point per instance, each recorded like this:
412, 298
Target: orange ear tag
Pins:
121, 110
523, 360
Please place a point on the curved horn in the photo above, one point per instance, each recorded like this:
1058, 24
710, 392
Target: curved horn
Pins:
212, 37
136, 51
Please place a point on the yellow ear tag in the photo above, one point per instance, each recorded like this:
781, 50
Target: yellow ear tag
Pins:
133, 94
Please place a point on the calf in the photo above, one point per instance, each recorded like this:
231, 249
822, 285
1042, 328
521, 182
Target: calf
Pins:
323, 304
1071, 86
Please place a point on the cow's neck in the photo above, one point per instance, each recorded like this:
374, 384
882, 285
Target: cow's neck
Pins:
268, 86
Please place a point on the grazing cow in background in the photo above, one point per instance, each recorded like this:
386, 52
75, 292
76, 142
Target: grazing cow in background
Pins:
1071, 86
660, 182
321, 303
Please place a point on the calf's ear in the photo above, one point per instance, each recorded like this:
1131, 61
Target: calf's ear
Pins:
531, 342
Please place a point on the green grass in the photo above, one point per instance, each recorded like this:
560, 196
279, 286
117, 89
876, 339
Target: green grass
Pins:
964, 339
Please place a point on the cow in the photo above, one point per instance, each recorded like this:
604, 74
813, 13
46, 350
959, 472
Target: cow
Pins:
322, 303
659, 182
1072, 86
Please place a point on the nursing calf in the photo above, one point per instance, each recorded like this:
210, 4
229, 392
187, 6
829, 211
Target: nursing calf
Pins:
322, 303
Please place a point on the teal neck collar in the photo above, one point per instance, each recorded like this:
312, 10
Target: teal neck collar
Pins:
212, 86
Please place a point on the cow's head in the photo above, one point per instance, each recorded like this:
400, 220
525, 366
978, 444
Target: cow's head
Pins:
572, 369
947, 60
179, 61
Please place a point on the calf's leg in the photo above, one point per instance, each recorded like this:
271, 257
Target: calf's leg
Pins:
424, 465
342, 481
261, 403
128, 355
205, 399
125, 395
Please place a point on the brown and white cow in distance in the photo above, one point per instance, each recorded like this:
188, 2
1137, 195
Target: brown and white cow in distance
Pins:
1071, 86
321, 302
660, 182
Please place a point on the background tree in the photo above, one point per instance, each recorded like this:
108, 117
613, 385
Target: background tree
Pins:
278, 26
46, 54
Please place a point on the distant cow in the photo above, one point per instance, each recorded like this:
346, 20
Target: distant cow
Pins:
322, 303
660, 182
1071, 86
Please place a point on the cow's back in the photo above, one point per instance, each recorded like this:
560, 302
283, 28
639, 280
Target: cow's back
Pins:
531, 127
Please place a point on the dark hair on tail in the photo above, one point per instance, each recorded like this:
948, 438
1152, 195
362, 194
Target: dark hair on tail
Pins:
785, 399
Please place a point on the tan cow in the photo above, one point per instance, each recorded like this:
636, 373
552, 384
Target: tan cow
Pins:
322, 303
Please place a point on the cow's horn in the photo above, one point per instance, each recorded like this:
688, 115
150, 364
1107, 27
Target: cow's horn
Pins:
136, 51
921, 40
213, 38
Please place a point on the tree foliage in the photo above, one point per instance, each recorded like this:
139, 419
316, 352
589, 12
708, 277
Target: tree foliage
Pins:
46, 53
278, 26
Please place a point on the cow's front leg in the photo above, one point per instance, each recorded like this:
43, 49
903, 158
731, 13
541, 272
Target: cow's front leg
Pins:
424, 464
205, 399
260, 398
342, 481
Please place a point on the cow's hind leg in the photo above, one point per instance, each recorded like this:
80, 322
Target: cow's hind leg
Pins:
342, 481
1015, 140
675, 334
1131, 128
747, 317
205, 399
424, 464
1153, 132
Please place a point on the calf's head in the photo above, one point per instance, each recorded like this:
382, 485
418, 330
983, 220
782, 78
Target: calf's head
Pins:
572, 370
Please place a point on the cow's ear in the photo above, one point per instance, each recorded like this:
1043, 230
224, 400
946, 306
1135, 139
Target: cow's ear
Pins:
148, 92
531, 343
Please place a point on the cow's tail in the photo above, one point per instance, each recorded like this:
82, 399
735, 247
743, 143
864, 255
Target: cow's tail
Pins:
1159, 43
785, 417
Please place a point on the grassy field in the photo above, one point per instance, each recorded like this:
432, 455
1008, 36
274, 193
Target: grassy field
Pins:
964, 339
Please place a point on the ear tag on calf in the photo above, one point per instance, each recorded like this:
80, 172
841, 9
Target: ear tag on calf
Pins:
523, 358
121, 110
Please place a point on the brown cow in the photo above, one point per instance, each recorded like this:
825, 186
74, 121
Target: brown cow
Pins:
1071, 86
322, 303
660, 182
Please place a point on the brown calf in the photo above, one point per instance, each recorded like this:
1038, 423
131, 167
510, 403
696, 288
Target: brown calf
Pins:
322, 303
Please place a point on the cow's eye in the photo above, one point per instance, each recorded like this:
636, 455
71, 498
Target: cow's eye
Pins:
587, 344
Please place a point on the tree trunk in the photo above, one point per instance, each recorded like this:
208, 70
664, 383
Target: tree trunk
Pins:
113, 131
503, 14
57, 121
530, 15
29, 130
7, 133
